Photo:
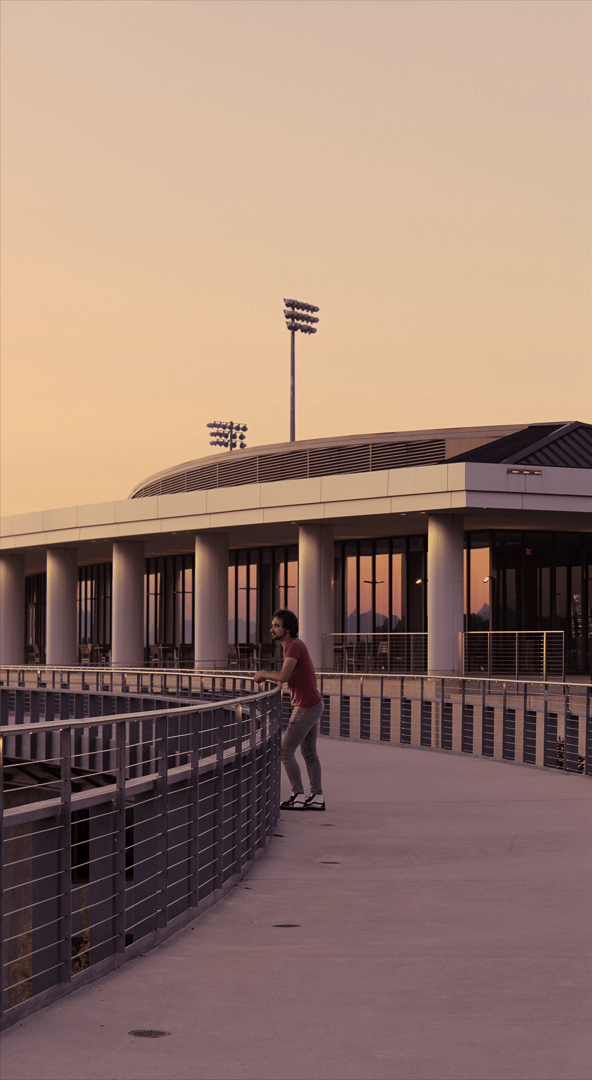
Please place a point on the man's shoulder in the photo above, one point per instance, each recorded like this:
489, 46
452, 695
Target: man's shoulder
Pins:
296, 648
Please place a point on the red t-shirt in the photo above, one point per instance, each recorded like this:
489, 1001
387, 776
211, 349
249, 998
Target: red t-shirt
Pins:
303, 681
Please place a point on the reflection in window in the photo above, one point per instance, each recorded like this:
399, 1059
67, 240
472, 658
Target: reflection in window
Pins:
366, 588
350, 590
381, 587
169, 601
398, 590
376, 572
479, 589
94, 604
35, 606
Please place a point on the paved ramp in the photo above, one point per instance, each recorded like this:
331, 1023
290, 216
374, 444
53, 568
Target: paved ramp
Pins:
442, 932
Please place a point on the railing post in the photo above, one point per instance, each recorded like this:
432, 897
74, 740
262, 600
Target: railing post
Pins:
219, 800
119, 836
238, 764
160, 729
252, 786
65, 858
194, 815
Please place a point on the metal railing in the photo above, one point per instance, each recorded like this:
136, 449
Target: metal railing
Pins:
517, 654
530, 723
142, 681
119, 829
376, 652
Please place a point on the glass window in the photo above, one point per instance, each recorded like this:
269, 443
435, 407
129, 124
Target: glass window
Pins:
366, 587
398, 586
292, 580
351, 588
253, 593
338, 590
561, 598
241, 601
478, 588
417, 589
232, 599
381, 575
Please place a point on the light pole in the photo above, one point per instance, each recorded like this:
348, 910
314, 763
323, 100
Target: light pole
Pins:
227, 433
299, 316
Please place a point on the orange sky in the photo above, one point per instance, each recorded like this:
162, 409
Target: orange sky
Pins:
171, 170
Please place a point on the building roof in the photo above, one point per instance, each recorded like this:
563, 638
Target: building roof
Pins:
332, 456
567, 446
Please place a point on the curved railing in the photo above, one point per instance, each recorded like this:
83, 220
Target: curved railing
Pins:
546, 724
120, 828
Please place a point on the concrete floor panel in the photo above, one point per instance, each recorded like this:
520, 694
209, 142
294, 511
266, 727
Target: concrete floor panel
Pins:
443, 933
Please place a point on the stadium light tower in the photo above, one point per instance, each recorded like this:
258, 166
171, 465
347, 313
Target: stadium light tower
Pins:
299, 316
227, 433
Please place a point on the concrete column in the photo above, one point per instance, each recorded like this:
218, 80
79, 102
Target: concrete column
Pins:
127, 635
445, 592
61, 635
211, 601
12, 609
315, 591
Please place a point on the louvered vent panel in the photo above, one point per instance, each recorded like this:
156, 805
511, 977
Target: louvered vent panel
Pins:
341, 459
294, 464
170, 484
401, 455
232, 475
149, 489
201, 479
291, 466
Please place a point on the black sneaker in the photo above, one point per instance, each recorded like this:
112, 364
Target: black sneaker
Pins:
314, 802
295, 802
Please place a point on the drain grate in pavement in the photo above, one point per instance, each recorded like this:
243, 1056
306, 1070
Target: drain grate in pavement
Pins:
287, 924
148, 1033
331, 862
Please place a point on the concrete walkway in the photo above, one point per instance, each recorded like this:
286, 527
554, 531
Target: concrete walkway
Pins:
443, 932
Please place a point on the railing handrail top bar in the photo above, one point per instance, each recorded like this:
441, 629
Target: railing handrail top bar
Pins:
455, 678
104, 668
419, 633
92, 721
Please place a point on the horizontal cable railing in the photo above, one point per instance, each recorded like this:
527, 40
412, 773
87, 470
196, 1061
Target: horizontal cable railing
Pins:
515, 654
531, 723
380, 652
164, 682
118, 829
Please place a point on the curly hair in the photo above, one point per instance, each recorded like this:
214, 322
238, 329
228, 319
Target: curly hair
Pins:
289, 621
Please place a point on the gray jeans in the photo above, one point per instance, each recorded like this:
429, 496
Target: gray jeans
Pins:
302, 732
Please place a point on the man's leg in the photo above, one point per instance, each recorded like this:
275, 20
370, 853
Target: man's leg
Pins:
308, 747
291, 740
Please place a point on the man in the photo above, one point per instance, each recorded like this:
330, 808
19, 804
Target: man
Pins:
307, 706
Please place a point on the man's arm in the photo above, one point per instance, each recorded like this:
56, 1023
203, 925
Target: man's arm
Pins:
278, 676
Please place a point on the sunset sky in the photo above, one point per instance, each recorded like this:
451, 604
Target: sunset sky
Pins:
172, 170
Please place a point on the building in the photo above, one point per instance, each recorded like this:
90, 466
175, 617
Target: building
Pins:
430, 533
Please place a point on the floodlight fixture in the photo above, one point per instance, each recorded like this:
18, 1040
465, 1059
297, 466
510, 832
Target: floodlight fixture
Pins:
228, 434
299, 316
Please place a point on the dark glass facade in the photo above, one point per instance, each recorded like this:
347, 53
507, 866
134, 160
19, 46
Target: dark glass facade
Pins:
514, 580
94, 605
35, 604
380, 585
542, 581
260, 580
168, 606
